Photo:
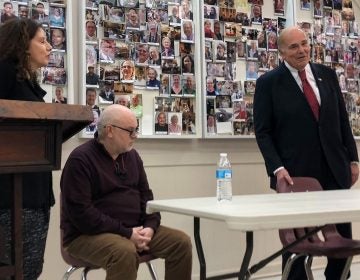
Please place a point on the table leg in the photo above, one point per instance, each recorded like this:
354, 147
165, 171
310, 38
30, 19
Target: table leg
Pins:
199, 248
244, 273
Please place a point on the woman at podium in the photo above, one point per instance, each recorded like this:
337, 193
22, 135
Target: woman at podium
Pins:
23, 51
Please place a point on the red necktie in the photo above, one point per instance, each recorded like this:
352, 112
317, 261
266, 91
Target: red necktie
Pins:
309, 94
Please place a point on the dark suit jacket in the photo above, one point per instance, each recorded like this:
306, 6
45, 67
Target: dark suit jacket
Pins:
288, 134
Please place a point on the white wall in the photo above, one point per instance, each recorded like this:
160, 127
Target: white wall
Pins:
185, 168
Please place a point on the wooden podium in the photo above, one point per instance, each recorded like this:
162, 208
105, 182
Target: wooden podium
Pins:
31, 134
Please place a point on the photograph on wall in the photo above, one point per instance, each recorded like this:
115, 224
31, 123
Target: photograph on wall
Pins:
107, 51
140, 76
58, 38
110, 72
174, 123
123, 88
187, 64
136, 105
57, 59
54, 76
40, 12
175, 85
59, 95
122, 99
305, 5
92, 127
154, 56
188, 85
127, 71
279, 7
174, 17
164, 84
152, 81
187, 31
141, 48
57, 17
106, 95
161, 123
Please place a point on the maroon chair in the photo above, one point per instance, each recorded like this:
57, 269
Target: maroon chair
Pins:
332, 244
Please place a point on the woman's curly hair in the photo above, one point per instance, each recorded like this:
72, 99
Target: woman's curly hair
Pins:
15, 37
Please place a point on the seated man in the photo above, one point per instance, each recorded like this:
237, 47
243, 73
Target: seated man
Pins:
104, 194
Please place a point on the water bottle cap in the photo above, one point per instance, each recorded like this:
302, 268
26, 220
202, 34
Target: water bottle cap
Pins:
223, 154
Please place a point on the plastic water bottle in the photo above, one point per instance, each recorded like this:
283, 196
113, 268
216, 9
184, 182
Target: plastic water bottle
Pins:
223, 179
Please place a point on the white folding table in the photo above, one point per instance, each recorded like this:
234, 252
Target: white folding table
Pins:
251, 213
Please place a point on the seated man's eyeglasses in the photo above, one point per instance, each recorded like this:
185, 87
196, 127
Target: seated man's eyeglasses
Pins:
132, 133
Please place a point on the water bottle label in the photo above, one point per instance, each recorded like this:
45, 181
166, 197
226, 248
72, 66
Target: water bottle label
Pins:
223, 174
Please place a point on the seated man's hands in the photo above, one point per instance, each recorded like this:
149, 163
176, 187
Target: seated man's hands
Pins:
141, 237
149, 232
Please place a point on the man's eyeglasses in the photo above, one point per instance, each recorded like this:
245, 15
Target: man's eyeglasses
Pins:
132, 133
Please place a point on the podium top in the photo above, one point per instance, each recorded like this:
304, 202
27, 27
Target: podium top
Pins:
73, 117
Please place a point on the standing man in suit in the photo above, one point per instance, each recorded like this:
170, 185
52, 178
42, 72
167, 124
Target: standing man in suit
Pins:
298, 137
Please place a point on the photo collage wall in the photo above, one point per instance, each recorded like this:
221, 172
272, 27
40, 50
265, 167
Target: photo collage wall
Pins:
240, 45
136, 48
52, 15
334, 32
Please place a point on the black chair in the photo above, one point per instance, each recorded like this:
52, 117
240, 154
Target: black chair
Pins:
331, 244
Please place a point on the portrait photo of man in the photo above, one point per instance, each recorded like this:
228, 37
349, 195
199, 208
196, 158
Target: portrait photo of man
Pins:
90, 30
107, 51
39, 12
7, 11
187, 31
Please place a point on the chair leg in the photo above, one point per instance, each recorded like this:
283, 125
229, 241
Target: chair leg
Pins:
152, 270
346, 269
307, 263
84, 273
70, 270
289, 264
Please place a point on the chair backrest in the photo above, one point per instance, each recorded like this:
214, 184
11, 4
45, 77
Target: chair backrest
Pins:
332, 244
301, 184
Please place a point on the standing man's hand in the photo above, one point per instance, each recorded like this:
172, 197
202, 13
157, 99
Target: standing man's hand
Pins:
354, 167
283, 174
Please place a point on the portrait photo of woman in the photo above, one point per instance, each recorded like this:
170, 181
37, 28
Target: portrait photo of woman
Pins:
187, 64
57, 17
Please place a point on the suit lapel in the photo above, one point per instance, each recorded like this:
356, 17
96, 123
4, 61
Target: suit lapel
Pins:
319, 80
288, 80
